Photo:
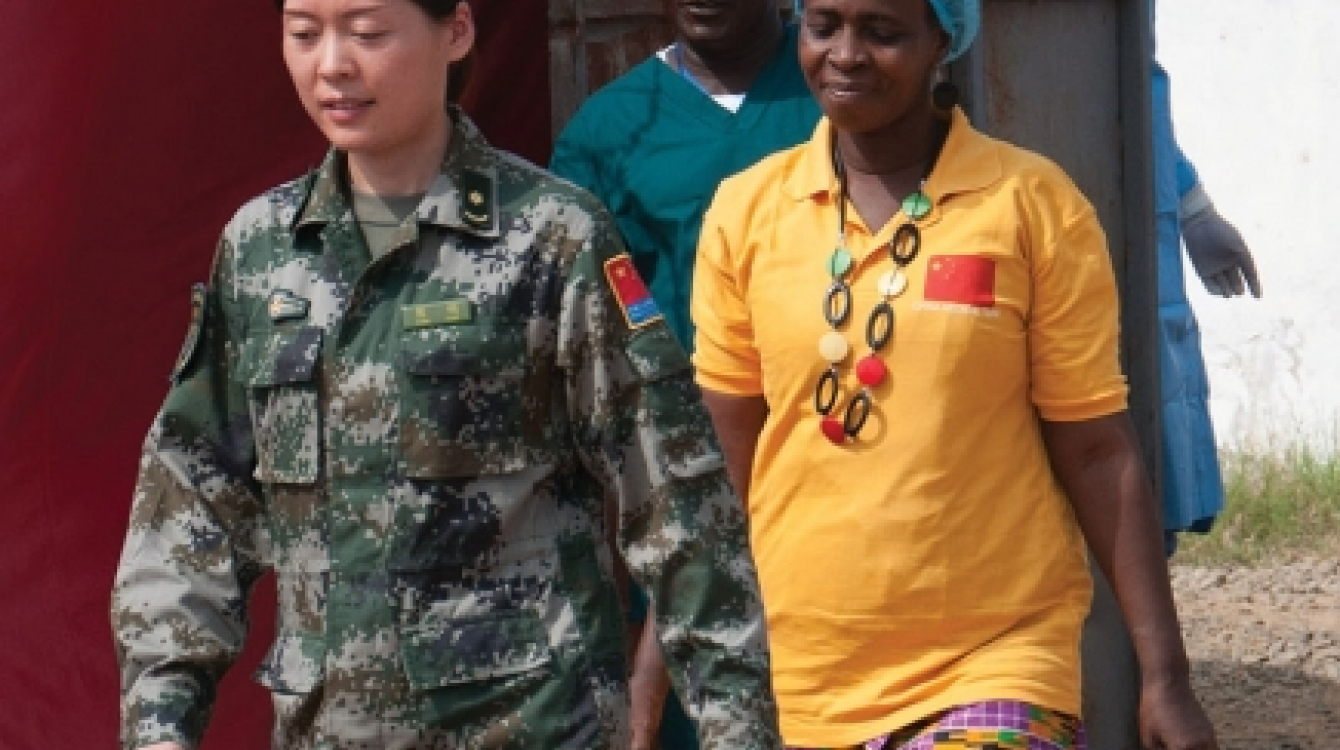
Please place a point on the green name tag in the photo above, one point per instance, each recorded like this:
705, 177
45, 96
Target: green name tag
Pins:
451, 312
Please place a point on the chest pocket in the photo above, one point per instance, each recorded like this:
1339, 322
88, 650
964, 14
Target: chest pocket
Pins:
469, 405
448, 652
279, 370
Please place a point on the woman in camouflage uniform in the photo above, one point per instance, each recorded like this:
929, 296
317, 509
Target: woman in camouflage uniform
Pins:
412, 382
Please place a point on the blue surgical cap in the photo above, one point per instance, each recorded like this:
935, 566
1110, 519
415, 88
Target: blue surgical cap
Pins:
959, 18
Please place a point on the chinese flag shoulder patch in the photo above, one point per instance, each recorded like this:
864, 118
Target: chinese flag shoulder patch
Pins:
965, 279
639, 309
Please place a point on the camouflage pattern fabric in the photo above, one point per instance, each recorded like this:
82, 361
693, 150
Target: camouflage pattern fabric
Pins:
421, 448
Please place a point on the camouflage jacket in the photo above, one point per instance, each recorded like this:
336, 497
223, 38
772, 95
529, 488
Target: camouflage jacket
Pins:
422, 448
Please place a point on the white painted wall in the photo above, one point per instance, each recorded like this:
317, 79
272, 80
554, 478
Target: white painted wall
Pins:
1256, 106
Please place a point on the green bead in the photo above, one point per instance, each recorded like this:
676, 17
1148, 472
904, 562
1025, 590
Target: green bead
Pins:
839, 263
916, 205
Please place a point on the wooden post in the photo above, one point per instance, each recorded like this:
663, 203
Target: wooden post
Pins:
1071, 80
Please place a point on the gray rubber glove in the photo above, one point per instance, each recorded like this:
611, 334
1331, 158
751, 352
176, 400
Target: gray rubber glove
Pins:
1217, 250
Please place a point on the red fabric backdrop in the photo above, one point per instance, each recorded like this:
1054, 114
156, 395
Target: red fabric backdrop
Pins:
129, 132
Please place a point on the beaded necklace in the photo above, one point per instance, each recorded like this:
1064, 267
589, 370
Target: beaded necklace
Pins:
833, 346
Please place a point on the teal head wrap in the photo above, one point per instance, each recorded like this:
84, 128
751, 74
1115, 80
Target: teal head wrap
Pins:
960, 19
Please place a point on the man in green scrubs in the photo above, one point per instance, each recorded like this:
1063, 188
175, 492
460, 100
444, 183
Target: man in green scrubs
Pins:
653, 145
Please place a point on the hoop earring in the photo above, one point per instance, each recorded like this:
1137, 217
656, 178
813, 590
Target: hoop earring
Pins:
944, 96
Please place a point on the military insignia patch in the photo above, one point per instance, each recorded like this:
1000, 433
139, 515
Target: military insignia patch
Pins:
477, 206
432, 314
192, 342
285, 305
639, 309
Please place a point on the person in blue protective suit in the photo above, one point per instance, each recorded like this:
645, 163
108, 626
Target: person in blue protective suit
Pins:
653, 145
1193, 489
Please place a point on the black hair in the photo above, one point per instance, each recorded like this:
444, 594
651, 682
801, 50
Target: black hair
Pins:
458, 78
434, 9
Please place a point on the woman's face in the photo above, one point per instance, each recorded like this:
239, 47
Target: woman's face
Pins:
870, 63
372, 74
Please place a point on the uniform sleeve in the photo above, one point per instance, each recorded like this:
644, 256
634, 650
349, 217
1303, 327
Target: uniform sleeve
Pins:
1187, 177
190, 558
724, 356
1073, 327
641, 429
1161, 85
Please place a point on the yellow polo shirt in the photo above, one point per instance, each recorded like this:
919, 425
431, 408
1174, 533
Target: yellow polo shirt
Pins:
933, 561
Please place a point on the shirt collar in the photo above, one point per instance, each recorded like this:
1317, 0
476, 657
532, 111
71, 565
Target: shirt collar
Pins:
463, 196
967, 163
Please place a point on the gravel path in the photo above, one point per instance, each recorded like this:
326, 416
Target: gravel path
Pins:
1265, 650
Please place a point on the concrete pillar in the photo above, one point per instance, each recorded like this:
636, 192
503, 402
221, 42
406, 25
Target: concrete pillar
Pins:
1071, 80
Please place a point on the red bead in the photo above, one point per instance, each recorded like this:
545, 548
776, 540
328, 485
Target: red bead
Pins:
870, 371
832, 427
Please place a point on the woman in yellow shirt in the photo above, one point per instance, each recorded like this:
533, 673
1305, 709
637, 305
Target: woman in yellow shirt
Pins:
927, 416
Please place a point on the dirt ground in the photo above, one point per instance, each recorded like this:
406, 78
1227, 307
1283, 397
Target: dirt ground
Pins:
1265, 648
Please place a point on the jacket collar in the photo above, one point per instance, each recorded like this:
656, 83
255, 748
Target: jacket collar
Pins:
464, 195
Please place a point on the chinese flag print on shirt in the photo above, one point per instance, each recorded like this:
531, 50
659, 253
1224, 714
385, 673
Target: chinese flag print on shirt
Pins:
965, 279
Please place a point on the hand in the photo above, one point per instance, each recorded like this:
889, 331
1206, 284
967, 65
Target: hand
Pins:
646, 721
1172, 719
648, 686
1219, 254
